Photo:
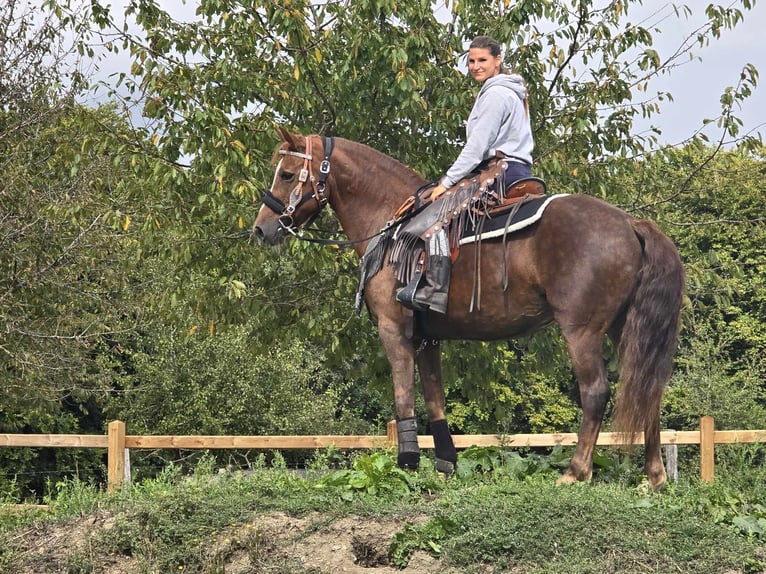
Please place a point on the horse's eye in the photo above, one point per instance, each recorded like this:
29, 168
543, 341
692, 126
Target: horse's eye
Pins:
286, 176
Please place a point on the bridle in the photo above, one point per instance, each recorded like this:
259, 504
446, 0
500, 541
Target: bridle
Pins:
297, 197
319, 194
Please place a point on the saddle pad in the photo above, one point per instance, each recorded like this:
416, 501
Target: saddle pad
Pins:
481, 228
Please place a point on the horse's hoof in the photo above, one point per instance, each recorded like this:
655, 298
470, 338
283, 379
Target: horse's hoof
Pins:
445, 467
566, 479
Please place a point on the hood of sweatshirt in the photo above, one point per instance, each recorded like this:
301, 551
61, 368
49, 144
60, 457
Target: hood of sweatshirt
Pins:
513, 82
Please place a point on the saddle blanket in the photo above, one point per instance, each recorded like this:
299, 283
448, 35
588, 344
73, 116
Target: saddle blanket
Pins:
487, 227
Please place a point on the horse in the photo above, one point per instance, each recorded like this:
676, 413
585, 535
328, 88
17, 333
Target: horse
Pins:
586, 265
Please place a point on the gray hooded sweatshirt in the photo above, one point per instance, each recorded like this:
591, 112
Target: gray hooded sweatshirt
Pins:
497, 122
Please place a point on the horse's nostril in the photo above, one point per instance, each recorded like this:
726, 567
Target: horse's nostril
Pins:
266, 235
257, 234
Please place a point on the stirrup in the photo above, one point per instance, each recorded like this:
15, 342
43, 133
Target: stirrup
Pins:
406, 295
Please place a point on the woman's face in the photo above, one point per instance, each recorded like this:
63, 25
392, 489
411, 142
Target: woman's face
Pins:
482, 65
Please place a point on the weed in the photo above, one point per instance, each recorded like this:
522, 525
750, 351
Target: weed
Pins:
422, 537
79, 562
372, 474
73, 497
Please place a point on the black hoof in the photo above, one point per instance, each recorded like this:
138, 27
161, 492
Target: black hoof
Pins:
445, 467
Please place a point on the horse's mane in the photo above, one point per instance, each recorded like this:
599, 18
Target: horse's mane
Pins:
382, 156
388, 163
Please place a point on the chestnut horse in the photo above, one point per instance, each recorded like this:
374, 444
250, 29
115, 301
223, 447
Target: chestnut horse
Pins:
585, 265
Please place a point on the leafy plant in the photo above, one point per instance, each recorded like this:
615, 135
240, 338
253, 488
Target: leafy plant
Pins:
508, 462
73, 497
372, 474
425, 536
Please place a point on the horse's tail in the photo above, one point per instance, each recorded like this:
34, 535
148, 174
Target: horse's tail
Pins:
649, 335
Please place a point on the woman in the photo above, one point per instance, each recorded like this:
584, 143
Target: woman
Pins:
498, 126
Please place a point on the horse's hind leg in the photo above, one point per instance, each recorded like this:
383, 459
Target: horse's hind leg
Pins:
653, 466
585, 351
428, 360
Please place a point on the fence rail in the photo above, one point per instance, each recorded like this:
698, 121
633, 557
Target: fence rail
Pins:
118, 443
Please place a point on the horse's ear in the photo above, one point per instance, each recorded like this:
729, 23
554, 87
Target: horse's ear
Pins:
288, 137
284, 135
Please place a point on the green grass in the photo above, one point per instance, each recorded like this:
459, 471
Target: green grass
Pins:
505, 515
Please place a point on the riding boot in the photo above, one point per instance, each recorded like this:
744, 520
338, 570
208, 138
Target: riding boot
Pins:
435, 290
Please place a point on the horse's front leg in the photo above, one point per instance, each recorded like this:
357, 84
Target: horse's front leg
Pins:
400, 353
428, 360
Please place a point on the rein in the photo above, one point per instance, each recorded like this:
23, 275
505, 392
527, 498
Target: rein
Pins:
406, 212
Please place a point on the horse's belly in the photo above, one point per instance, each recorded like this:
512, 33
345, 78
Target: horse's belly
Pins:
487, 323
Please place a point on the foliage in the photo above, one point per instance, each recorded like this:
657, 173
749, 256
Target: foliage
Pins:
718, 225
422, 537
373, 474
521, 386
218, 384
503, 462
66, 262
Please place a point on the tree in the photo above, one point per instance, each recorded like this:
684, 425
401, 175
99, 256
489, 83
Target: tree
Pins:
66, 271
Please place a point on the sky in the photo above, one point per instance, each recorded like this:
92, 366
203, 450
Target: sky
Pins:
696, 86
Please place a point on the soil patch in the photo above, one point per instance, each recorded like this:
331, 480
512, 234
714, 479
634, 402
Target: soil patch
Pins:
314, 543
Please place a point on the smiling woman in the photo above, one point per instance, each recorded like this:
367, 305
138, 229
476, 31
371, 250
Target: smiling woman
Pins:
497, 127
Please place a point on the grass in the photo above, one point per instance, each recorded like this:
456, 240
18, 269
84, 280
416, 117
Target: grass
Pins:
496, 518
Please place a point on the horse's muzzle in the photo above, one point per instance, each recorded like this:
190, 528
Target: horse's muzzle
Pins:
269, 234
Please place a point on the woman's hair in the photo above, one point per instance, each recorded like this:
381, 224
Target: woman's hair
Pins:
489, 43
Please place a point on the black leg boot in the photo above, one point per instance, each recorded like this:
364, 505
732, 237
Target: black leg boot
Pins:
406, 295
409, 451
435, 292
446, 454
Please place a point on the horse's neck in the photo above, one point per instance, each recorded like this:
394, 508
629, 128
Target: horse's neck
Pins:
370, 187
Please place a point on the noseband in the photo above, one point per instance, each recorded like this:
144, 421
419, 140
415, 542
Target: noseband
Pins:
297, 197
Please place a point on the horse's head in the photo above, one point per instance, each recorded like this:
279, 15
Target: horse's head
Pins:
297, 193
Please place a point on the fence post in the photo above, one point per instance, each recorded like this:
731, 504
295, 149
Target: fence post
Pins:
128, 478
707, 449
671, 461
115, 459
391, 435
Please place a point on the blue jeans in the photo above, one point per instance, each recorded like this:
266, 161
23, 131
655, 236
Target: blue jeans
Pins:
515, 171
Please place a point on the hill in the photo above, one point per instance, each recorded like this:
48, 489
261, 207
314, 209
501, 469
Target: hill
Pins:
373, 518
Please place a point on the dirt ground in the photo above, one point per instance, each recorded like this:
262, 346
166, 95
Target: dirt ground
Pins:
353, 545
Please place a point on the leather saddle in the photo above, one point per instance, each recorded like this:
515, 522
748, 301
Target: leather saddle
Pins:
478, 192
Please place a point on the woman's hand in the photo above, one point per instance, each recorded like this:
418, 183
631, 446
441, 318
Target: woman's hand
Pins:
437, 191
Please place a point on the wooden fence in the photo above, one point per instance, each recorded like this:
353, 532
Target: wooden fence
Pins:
118, 443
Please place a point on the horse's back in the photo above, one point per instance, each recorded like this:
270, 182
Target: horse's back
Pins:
578, 264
